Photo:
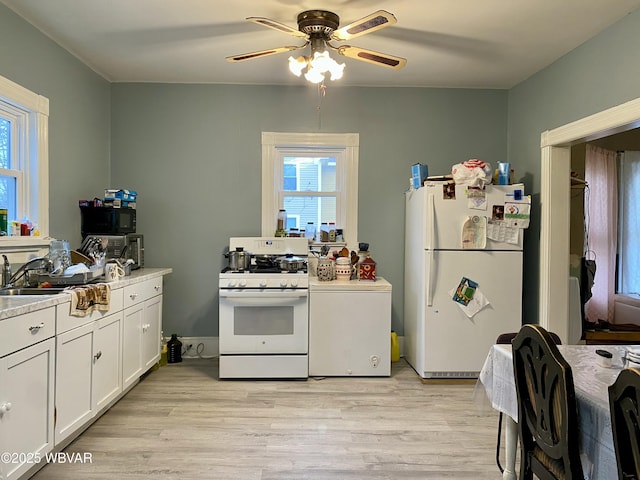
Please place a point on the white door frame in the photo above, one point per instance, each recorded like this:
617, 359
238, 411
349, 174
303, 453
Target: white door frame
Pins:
555, 209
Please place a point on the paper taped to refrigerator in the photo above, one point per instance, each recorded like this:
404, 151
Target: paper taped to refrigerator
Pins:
468, 297
517, 213
498, 231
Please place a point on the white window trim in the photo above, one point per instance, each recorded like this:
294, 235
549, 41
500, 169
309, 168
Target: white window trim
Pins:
36, 195
347, 202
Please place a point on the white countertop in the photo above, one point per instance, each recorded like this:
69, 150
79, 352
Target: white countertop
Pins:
11, 306
379, 285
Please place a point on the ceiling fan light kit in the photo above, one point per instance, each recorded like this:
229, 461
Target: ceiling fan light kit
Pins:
318, 27
317, 64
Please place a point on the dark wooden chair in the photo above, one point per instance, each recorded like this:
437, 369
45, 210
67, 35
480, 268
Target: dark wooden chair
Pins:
506, 339
624, 402
547, 410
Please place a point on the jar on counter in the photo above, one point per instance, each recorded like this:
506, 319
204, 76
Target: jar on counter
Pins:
326, 269
324, 232
332, 231
281, 223
310, 230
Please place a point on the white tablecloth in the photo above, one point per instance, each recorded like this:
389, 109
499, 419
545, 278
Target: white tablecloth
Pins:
591, 383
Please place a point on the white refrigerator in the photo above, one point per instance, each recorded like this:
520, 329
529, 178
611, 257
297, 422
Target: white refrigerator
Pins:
443, 336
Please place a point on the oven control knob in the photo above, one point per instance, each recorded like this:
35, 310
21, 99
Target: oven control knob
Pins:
242, 283
232, 283
263, 284
283, 283
294, 283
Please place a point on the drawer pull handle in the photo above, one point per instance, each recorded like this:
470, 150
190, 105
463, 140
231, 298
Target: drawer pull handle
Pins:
5, 407
97, 355
133, 296
157, 287
35, 328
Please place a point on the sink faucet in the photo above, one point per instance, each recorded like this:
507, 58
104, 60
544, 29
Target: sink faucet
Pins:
46, 262
6, 271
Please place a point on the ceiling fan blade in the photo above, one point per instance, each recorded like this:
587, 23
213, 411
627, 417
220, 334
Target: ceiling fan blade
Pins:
262, 53
281, 27
377, 58
368, 24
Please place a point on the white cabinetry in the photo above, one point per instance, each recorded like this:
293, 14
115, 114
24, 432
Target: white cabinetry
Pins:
59, 372
88, 365
142, 327
27, 357
349, 328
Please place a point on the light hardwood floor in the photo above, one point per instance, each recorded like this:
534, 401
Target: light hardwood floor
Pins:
181, 422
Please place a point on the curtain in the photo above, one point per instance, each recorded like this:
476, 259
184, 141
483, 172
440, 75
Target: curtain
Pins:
629, 253
601, 229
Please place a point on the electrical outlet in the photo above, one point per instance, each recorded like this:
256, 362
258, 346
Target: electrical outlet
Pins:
375, 360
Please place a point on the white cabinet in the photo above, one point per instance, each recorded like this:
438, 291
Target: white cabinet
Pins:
349, 328
142, 327
88, 372
27, 358
58, 371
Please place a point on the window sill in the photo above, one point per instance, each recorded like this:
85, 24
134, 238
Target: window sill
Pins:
628, 299
21, 249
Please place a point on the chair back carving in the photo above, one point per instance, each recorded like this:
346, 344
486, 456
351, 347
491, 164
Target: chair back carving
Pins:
624, 403
547, 411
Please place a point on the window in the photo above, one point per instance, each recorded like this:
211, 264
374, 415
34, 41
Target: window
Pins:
628, 223
314, 177
24, 179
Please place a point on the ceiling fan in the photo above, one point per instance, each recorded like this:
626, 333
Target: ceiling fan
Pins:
318, 28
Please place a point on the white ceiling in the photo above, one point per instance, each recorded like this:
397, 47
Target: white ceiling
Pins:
461, 43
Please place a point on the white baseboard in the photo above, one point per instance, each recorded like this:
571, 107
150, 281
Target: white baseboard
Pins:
208, 347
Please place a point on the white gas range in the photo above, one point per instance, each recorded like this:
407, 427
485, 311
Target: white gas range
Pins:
264, 314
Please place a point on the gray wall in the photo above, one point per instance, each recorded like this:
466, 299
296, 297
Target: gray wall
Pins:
598, 75
193, 152
79, 115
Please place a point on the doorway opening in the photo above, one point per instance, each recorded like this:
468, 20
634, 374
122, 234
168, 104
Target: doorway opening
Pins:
555, 209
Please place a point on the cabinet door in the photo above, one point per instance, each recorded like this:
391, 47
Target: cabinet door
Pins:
26, 400
132, 344
74, 370
107, 360
151, 332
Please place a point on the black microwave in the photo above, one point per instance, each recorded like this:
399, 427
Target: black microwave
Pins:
107, 220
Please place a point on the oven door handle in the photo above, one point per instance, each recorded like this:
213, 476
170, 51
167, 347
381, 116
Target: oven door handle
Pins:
263, 294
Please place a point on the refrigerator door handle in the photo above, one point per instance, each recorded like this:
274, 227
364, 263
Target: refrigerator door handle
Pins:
431, 221
429, 278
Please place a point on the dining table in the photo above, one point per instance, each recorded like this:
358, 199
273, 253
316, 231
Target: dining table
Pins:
591, 378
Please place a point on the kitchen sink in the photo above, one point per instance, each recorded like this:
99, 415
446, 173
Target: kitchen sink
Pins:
30, 291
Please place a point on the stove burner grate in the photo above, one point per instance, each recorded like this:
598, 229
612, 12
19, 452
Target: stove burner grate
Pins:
257, 269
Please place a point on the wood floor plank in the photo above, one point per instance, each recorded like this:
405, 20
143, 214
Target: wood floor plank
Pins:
182, 422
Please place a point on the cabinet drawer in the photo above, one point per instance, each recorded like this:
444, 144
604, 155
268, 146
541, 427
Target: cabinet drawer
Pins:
66, 321
139, 292
24, 330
